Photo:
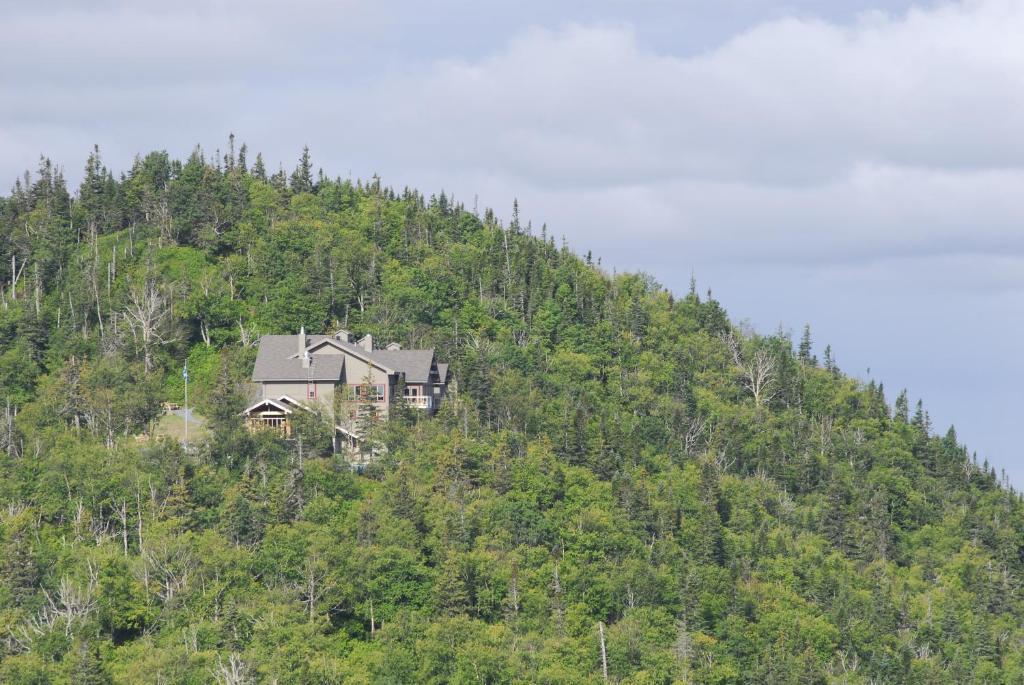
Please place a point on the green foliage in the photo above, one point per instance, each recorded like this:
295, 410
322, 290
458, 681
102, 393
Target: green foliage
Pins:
608, 454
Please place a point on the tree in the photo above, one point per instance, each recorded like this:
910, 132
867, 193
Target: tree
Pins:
759, 370
901, 410
19, 569
89, 669
148, 315
259, 170
302, 178
709, 547
450, 593
806, 350
123, 609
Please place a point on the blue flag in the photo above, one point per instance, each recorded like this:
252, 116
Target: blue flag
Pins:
184, 372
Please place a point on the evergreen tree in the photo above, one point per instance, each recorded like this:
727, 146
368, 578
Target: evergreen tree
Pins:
901, 409
806, 353
88, 668
709, 546
259, 171
18, 567
830, 362
302, 177
294, 495
450, 593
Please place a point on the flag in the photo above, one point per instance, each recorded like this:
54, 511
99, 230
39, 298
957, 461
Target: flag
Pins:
184, 372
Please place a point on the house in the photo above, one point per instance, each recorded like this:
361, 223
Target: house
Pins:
348, 380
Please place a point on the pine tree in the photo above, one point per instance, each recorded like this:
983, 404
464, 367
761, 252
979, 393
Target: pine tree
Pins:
18, 567
294, 494
88, 668
834, 519
920, 420
177, 505
259, 171
710, 545
806, 353
280, 180
302, 177
901, 409
243, 516
450, 593
830, 362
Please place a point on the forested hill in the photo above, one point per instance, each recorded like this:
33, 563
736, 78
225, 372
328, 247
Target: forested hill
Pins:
616, 466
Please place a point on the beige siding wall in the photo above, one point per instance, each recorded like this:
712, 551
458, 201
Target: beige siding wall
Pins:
297, 391
356, 369
355, 373
275, 390
327, 348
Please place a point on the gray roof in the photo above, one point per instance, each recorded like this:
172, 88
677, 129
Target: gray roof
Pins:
278, 360
415, 364
442, 371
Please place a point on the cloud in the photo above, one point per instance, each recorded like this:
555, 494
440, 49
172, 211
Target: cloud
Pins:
796, 140
790, 101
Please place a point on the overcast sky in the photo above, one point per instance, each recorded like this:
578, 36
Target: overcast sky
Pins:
854, 165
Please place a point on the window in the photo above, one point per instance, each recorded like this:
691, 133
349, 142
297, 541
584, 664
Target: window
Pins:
371, 393
412, 391
311, 391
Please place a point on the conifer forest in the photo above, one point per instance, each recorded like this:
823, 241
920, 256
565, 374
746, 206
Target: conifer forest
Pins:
622, 485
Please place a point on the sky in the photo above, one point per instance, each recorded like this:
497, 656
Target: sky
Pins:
854, 165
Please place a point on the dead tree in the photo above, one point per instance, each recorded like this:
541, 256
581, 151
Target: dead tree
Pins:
759, 371
315, 584
234, 672
148, 315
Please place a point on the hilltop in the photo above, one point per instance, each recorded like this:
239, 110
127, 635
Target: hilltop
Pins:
619, 479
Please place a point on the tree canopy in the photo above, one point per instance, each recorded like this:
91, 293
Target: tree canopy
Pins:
622, 484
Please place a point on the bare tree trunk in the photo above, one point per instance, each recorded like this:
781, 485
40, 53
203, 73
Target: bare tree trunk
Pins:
148, 315
122, 514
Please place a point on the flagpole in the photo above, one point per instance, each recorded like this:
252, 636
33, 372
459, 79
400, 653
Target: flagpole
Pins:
185, 374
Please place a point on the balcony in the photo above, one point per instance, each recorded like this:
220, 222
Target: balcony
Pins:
419, 401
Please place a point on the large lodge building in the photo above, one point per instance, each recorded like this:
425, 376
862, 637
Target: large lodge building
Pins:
344, 378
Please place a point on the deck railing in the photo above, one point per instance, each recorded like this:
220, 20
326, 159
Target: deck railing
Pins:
419, 401
276, 423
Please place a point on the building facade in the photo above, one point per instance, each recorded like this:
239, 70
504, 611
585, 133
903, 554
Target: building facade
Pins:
349, 381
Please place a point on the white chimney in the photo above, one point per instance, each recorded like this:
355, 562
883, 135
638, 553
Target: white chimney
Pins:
367, 343
302, 347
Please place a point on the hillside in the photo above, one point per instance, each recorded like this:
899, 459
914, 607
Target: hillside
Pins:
615, 465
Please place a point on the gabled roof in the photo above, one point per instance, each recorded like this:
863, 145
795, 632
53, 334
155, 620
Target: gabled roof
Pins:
268, 402
442, 371
278, 360
318, 341
415, 364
